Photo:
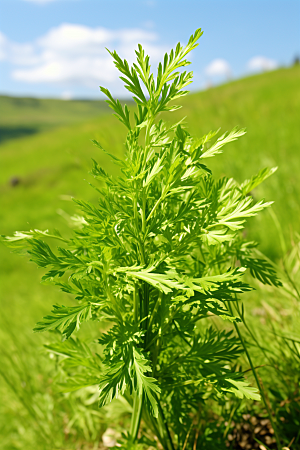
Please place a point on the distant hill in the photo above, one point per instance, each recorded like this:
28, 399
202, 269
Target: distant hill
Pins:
52, 164
21, 116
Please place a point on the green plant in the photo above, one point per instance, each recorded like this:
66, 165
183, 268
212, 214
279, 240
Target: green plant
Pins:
157, 258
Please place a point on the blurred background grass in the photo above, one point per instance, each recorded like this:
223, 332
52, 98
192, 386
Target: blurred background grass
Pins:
51, 164
46, 152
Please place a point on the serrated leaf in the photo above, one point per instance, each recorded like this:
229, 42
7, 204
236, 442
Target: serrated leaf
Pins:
80, 382
145, 384
262, 270
214, 237
118, 161
248, 185
112, 383
221, 141
157, 167
20, 237
241, 389
65, 319
209, 283
158, 280
242, 210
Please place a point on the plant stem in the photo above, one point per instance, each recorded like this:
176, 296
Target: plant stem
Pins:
136, 303
257, 380
136, 416
158, 202
138, 399
159, 297
144, 216
146, 312
163, 329
112, 299
165, 425
153, 424
140, 311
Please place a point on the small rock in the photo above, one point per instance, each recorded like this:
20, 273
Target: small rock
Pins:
246, 416
110, 437
14, 181
253, 420
264, 422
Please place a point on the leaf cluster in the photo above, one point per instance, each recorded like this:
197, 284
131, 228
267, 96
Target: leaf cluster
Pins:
157, 258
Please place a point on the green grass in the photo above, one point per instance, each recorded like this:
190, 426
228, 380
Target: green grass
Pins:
268, 106
52, 161
27, 116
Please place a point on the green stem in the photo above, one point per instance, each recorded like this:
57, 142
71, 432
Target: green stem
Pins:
144, 215
136, 220
155, 309
153, 425
136, 416
139, 311
146, 312
163, 329
256, 379
138, 399
154, 207
229, 421
113, 300
147, 136
165, 426
136, 303
161, 198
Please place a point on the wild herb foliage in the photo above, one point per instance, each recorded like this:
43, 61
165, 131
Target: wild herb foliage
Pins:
161, 251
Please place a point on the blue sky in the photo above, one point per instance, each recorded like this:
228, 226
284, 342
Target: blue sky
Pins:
56, 48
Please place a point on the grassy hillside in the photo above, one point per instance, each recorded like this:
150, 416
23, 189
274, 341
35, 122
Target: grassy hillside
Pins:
27, 116
51, 165
268, 105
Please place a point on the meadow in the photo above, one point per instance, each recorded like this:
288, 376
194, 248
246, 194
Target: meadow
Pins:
45, 156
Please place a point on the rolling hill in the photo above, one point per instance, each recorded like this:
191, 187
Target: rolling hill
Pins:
21, 116
52, 164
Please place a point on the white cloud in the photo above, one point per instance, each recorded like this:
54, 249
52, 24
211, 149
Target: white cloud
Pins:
218, 67
74, 55
3, 45
66, 95
261, 63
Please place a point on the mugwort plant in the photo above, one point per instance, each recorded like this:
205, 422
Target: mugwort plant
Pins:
157, 258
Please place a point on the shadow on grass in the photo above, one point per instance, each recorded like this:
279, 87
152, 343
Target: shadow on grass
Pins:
11, 132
